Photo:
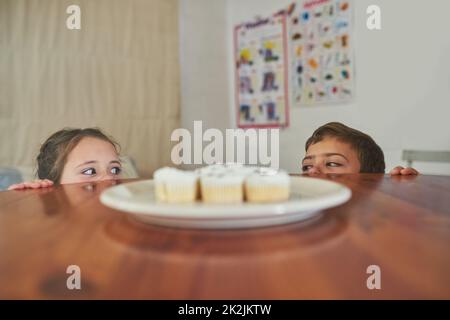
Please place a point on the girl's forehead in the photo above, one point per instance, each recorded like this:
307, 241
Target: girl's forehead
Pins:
90, 148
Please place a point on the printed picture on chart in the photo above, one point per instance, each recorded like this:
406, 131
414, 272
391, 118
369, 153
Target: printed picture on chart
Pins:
261, 73
321, 51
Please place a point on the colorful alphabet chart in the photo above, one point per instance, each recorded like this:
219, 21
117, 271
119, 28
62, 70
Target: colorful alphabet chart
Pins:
261, 75
320, 51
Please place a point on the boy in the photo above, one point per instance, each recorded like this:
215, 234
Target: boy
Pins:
336, 148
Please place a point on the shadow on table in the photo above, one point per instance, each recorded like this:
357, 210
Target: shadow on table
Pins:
70, 195
324, 230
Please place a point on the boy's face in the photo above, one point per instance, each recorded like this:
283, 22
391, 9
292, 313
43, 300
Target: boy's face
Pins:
330, 156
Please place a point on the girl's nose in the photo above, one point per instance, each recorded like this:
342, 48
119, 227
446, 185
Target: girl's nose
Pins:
103, 176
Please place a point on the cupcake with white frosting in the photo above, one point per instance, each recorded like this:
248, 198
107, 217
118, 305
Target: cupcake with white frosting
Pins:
222, 187
175, 186
267, 185
211, 169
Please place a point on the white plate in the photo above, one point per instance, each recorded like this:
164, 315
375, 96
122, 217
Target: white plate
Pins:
308, 197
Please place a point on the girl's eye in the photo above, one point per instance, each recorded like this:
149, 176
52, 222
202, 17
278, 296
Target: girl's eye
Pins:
334, 164
89, 172
116, 170
306, 168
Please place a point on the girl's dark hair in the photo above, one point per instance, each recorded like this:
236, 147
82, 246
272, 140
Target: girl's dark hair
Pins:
53, 153
370, 155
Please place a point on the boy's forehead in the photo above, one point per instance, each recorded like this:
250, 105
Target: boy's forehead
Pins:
332, 147
329, 145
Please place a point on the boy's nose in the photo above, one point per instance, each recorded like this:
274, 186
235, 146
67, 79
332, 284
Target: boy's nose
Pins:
314, 170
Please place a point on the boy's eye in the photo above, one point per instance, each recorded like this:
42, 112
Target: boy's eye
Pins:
334, 164
89, 172
306, 168
116, 170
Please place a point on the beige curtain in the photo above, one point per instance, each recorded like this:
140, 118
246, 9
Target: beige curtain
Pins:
119, 72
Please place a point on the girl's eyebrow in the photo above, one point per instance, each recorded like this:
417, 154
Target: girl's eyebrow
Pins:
87, 162
95, 161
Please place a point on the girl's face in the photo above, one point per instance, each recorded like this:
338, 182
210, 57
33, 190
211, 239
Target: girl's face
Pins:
330, 156
92, 159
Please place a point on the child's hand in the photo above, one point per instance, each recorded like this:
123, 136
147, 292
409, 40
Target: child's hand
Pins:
32, 185
400, 171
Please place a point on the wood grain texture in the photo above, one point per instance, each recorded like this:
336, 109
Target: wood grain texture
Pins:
400, 224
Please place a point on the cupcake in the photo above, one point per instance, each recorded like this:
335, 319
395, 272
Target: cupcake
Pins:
211, 169
175, 186
267, 185
246, 170
222, 187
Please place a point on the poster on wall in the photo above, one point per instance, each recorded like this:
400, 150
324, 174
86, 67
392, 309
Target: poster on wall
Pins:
262, 97
321, 51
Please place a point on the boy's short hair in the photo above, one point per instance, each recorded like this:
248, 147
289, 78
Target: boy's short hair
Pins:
370, 155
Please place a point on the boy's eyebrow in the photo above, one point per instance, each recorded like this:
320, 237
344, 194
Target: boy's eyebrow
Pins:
116, 161
324, 154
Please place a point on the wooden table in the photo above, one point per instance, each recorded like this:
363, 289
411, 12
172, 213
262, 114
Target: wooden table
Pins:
400, 224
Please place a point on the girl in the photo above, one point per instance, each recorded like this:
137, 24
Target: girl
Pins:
75, 155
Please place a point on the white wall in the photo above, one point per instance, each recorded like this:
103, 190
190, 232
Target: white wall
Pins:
204, 57
402, 76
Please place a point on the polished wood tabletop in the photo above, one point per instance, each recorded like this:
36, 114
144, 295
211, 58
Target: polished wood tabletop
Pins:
400, 224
